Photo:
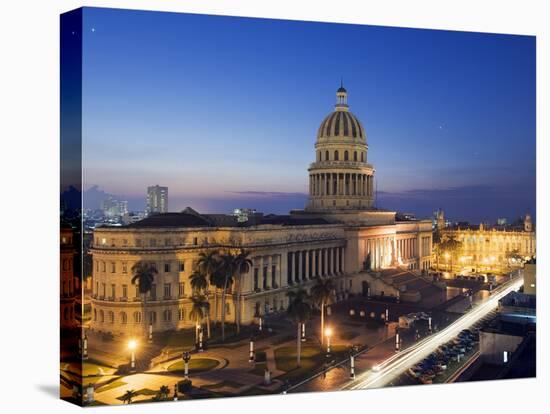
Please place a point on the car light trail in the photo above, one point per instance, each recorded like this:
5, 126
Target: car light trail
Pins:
397, 364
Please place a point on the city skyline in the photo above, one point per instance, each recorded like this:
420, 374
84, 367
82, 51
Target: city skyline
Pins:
460, 104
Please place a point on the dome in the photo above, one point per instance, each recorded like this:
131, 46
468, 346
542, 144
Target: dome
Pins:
341, 124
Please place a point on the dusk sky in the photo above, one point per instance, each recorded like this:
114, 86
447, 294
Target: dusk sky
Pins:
224, 111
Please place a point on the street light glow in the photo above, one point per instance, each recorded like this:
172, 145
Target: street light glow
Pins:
132, 344
328, 332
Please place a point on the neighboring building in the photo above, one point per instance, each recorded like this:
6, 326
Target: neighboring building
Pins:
339, 235
492, 248
439, 220
114, 208
530, 277
501, 339
502, 221
157, 200
516, 304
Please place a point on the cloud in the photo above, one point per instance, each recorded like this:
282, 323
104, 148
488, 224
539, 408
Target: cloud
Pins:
271, 194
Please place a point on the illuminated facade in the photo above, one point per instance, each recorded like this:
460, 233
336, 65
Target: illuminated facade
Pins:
338, 235
488, 249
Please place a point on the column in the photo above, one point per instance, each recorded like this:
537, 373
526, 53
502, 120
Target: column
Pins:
337, 260
299, 264
326, 261
268, 273
291, 265
308, 252
343, 265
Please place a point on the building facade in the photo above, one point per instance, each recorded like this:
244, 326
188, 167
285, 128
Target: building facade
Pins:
339, 235
157, 200
492, 248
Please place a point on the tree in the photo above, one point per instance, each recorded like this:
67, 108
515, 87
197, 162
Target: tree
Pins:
451, 245
199, 284
228, 267
243, 264
128, 396
209, 264
322, 294
144, 276
514, 256
299, 311
199, 305
163, 392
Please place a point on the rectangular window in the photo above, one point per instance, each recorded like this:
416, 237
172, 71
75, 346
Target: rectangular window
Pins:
113, 267
113, 291
166, 267
256, 287
273, 277
103, 266
153, 292
195, 241
103, 289
264, 277
138, 242
137, 291
152, 242
167, 290
167, 242
182, 289
125, 291
181, 265
125, 242
124, 267
97, 288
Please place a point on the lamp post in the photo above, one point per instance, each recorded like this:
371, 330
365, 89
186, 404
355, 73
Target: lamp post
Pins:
251, 352
260, 324
429, 324
176, 391
186, 358
397, 341
328, 334
85, 347
200, 339
303, 332
352, 363
150, 338
132, 345
387, 315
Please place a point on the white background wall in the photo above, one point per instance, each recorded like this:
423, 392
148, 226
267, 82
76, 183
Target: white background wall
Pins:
29, 89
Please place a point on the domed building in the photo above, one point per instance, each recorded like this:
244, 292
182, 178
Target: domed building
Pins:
341, 178
339, 235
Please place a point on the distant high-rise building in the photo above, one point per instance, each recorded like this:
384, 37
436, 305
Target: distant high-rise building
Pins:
502, 221
114, 208
157, 199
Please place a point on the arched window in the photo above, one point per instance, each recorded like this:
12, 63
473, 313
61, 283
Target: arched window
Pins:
326, 156
181, 314
354, 155
137, 317
95, 314
123, 318
167, 315
362, 157
336, 155
346, 156
111, 317
101, 316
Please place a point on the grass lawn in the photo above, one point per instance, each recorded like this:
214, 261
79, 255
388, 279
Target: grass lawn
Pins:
195, 365
227, 383
111, 385
312, 359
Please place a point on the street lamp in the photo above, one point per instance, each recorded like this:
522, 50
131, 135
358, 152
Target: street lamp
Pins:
260, 324
85, 347
303, 332
150, 338
352, 363
200, 339
429, 324
132, 345
176, 391
397, 341
186, 358
328, 334
251, 352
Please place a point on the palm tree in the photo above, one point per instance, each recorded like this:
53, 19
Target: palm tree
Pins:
208, 264
197, 312
243, 263
163, 392
452, 246
199, 284
228, 269
128, 396
322, 294
144, 275
299, 310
